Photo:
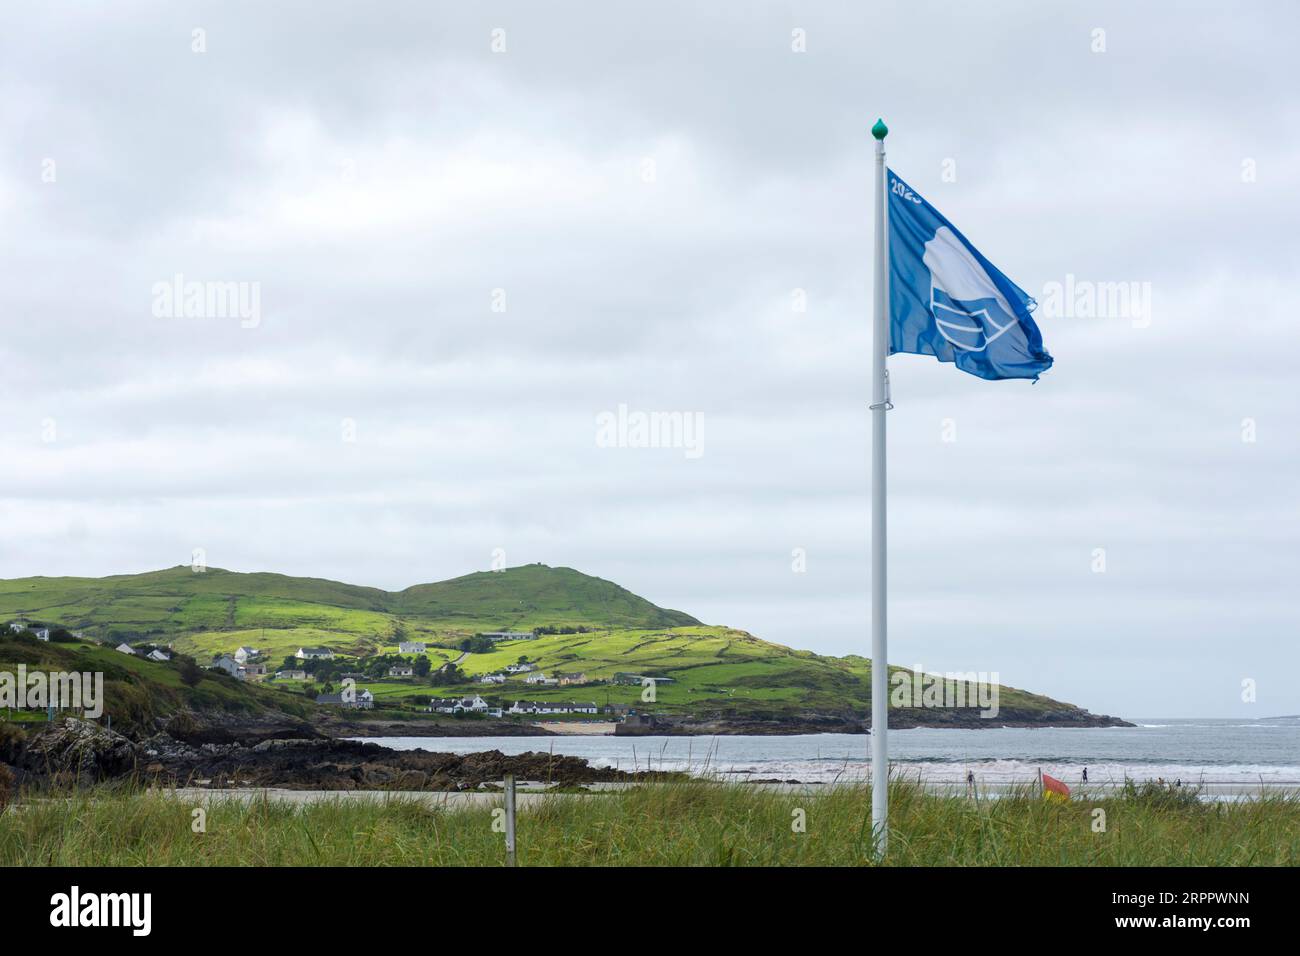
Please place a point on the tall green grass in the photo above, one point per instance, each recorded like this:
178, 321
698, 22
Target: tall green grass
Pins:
684, 824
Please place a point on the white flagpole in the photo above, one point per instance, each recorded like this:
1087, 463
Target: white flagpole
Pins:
879, 405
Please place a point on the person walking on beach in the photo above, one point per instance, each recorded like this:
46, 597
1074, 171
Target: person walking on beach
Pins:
1085, 774
970, 782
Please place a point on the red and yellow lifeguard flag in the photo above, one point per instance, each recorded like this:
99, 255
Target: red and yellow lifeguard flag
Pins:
1053, 788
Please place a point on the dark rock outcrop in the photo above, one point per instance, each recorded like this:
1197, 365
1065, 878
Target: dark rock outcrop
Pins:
354, 765
223, 728
80, 751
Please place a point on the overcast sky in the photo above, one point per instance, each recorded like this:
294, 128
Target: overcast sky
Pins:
473, 228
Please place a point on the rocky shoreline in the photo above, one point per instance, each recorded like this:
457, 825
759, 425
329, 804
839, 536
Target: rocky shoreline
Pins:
82, 753
908, 719
723, 725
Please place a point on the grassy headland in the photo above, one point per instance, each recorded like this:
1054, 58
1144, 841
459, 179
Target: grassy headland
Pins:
588, 626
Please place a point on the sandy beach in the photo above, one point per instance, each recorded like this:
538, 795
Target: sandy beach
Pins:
531, 792
593, 728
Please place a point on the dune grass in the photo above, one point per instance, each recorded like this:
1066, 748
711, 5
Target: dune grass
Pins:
683, 824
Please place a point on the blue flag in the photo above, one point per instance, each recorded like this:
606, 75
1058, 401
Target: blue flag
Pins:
948, 301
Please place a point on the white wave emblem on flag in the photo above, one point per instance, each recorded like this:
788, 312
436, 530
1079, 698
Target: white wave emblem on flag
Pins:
968, 309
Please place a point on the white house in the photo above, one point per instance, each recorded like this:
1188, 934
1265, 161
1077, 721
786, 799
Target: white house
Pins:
291, 675
42, 633
157, 655
401, 670
460, 705
314, 654
244, 654
509, 635
520, 668
226, 663
492, 679
537, 677
412, 647
539, 707
125, 648
551, 707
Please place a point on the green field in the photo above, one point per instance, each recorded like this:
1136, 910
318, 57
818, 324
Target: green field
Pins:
686, 824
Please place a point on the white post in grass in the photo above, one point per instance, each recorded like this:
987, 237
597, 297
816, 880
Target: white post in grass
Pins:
879, 405
510, 819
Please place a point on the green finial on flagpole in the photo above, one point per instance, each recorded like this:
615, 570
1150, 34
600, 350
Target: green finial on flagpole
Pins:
880, 130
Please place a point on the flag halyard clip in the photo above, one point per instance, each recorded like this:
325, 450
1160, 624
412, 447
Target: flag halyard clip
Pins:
887, 404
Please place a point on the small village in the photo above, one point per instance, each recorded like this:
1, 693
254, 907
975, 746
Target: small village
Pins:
246, 663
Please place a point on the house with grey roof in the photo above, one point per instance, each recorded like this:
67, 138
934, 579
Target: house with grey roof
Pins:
361, 700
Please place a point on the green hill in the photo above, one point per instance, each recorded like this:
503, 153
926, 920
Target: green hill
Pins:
218, 610
593, 627
532, 596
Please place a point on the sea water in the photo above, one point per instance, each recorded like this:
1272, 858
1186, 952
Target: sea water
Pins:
1231, 755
